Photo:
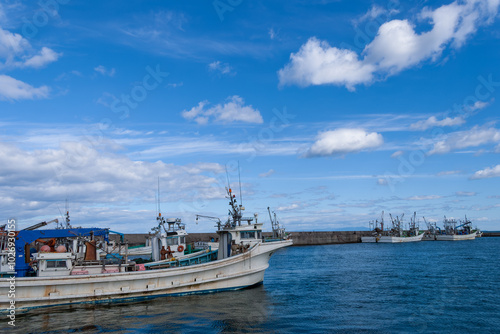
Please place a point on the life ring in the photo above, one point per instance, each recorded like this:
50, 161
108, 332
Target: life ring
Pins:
180, 248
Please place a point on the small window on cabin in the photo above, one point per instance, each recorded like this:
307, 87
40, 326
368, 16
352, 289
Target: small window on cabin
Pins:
183, 240
56, 264
248, 235
172, 241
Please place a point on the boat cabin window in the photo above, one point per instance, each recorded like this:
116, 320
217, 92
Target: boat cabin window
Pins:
56, 264
248, 235
183, 240
172, 241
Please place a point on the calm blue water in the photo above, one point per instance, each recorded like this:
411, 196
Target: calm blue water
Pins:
445, 287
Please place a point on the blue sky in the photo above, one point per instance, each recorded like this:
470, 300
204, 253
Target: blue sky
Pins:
334, 110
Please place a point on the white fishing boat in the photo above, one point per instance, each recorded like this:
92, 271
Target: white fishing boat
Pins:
392, 239
396, 234
70, 271
453, 230
455, 237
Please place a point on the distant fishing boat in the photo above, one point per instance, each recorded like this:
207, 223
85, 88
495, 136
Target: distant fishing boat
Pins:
67, 269
451, 231
397, 233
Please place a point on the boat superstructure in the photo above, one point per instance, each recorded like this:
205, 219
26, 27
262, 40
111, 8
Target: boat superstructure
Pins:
167, 239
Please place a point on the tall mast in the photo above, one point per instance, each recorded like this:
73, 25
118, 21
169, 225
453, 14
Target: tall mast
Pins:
239, 179
159, 211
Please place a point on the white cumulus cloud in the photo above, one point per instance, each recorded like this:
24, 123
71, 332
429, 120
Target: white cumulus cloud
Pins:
487, 173
16, 51
233, 110
46, 56
342, 141
33, 180
397, 46
12, 89
317, 63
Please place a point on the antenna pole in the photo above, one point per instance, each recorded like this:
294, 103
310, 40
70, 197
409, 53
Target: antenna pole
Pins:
227, 176
159, 210
239, 178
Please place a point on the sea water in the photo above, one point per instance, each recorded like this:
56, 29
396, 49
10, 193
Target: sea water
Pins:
421, 287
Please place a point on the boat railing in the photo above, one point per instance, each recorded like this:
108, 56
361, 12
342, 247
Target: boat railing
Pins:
202, 258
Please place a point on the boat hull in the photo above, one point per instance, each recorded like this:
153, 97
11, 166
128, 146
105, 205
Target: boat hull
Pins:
232, 273
451, 237
391, 239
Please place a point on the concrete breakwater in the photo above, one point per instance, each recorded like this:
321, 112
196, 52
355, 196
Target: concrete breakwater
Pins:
302, 238
299, 238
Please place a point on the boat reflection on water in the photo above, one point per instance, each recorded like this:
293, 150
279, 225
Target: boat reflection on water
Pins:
249, 310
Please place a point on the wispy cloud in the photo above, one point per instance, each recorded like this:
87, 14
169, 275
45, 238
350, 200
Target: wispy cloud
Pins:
434, 122
104, 71
290, 207
168, 32
106, 99
272, 33
382, 182
375, 12
177, 146
267, 174
424, 197
221, 68
477, 136
448, 172
397, 154
466, 193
